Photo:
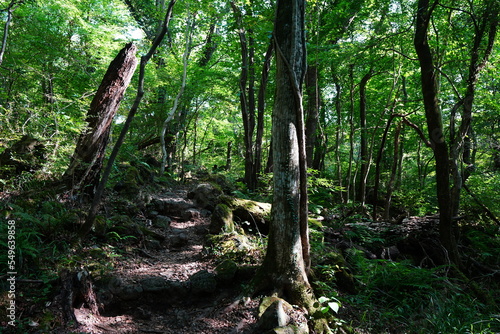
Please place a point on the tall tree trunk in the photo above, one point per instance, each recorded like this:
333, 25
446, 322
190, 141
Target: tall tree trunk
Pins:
364, 155
86, 163
89, 221
350, 180
485, 30
338, 136
396, 158
261, 104
312, 113
377, 165
10, 11
287, 259
171, 115
247, 96
435, 127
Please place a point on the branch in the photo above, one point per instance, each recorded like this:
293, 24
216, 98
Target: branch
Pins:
416, 128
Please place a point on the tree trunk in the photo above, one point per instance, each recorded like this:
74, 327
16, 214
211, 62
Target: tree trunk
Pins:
261, 104
86, 163
312, 118
10, 11
350, 180
377, 165
285, 266
396, 158
435, 127
484, 38
338, 138
247, 99
171, 115
364, 156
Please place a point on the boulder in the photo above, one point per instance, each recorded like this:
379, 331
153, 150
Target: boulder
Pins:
191, 214
274, 314
203, 282
205, 195
226, 270
222, 219
253, 216
178, 239
162, 221
169, 206
28, 154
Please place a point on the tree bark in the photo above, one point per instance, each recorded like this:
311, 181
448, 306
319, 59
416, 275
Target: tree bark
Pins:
261, 104
10, 11
364, 156
312, 91
171, 115
85, 167
247, 99
287, 259
435, 127
377, 165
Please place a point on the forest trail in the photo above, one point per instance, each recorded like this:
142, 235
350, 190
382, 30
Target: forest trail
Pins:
221, 311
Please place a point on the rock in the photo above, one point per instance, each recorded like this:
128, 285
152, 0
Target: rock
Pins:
268, 301
169, 206
130, 292
253, 216
222, 219
162, 221
288, 330
274, 315
226, 270
205, 195
153, 284
178, 239
153, 244
162, 289
28, 154
203, 282
191, 214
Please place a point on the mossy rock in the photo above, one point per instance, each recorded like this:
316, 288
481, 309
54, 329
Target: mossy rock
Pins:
269, 300
253, 216
343, 276
222, 219
226, 270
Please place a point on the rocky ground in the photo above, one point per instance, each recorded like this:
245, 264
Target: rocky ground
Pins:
171, 287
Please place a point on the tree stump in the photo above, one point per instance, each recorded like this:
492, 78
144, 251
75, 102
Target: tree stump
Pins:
77, 291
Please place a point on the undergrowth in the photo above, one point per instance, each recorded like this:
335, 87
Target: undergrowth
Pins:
398, 296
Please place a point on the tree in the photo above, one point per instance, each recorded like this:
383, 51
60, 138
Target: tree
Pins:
86, 163
435, 126
286, 263
10, 10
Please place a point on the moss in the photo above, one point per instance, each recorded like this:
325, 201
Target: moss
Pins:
222, 219
226, 270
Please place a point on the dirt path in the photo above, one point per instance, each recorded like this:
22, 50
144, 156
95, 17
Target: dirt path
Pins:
221, 312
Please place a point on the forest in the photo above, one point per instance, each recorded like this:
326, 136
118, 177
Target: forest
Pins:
250, 166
